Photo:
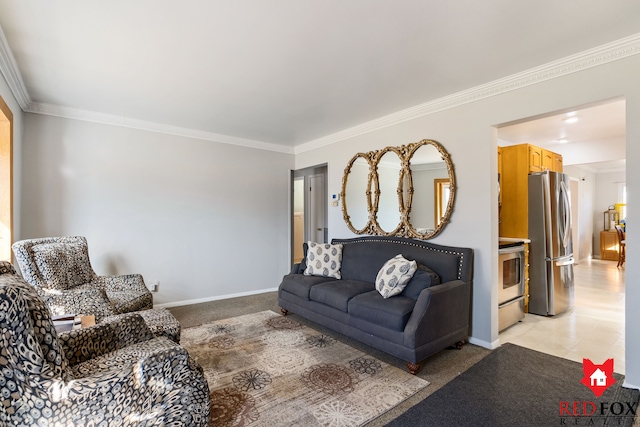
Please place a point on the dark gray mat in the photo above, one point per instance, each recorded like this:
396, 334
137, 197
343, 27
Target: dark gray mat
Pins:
515, 386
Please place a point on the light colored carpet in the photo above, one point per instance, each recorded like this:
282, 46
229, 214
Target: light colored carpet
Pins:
267, 369
438, 369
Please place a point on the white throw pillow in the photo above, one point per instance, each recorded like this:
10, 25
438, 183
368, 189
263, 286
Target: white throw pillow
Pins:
323, 259
394, 276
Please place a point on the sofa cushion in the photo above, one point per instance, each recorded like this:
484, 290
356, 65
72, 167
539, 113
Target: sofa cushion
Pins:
62, 265
323, 259
338, 293
422, 279
394, 276
392, 313
300, 285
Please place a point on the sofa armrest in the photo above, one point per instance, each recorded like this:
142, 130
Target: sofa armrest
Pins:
440, 310
111, 334
296, 269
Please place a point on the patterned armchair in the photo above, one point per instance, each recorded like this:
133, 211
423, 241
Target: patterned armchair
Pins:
60, 271
114, 373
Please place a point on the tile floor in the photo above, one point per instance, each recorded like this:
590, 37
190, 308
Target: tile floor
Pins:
593, 329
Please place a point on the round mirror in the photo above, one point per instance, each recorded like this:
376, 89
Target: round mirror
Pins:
433, 183
356, 193
388, 193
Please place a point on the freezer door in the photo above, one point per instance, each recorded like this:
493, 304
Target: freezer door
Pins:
560, 244
560, 281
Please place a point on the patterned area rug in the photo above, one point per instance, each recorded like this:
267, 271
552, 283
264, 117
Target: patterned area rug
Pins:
265, 369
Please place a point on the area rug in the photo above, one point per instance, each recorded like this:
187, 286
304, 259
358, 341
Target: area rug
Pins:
515, 386
265, 369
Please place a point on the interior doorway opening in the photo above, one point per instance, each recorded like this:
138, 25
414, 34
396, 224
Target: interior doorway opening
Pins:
6, 181
309, 208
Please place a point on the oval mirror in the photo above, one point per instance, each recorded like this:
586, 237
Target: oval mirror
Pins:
433, 189
356, 193
388, 191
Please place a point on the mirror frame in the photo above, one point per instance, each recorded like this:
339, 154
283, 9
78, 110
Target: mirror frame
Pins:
376, 201
368, 227
405, 189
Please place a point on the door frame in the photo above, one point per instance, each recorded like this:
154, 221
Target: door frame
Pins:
306, 173
6, 182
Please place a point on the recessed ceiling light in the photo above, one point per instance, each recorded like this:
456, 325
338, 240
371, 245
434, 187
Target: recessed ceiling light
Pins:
562, 140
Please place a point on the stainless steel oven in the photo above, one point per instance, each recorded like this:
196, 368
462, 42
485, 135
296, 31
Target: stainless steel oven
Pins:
511, 283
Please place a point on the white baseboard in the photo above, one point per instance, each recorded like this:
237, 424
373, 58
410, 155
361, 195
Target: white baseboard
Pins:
486, 344
214, 298
627, 385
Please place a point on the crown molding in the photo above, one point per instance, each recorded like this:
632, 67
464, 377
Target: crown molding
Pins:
11, 73
114, 120
600, 55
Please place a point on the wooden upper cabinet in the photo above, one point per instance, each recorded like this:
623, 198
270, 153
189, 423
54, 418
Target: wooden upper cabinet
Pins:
543, 160
557, 163
547, 160
536, 160
515, 163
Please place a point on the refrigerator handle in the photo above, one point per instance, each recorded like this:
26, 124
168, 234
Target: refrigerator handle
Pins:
566, 212
567, 261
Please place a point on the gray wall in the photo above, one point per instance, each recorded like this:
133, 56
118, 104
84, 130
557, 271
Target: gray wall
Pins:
205, 219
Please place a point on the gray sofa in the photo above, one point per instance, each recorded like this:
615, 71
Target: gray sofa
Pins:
431, 314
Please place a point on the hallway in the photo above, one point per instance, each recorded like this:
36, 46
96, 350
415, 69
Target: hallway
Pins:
593, 329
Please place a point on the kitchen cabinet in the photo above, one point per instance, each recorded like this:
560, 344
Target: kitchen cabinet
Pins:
516, 162
535, 157
609, 245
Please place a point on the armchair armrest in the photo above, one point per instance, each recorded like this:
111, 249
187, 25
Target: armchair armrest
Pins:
127, 292
123, 283
164, 375
158, 379
111, 334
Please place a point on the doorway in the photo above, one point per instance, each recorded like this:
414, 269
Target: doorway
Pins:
309, 208
592, 142
6, 181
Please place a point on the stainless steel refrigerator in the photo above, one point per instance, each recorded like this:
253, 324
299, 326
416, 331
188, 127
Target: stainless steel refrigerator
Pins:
551, 251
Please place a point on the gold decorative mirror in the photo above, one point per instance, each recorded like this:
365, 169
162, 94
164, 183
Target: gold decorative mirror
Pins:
356, 194
408, 191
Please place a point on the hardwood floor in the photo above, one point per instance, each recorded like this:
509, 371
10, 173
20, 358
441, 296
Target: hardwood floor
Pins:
593, 329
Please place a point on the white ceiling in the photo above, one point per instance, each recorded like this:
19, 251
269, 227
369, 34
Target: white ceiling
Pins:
287, 72
601, 124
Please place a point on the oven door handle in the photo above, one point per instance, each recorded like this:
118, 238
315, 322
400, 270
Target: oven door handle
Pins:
511, 301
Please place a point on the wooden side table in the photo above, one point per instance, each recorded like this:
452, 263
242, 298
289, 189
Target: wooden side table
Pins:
609, 245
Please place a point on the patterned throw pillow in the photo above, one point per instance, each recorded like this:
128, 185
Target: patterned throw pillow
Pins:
394, 276
323, 259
